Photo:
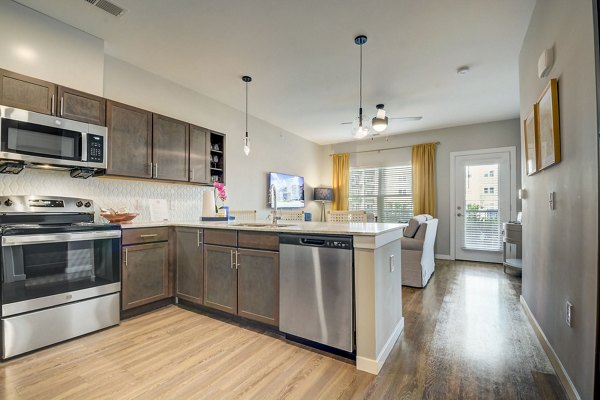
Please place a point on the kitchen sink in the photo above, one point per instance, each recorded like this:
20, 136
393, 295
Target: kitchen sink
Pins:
261, 225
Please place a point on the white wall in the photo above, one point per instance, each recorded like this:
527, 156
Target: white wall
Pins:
469, 137
272, 148
37, 45
560, 247
65, 55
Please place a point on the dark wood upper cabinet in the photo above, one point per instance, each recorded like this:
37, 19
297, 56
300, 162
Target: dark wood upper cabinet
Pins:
199, 154
80, 106
190, 264
129, 140
220, 278
170, 148
145, 274
27, 93
258, 285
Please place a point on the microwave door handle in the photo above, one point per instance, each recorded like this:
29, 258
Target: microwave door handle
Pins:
84, 147
21, 240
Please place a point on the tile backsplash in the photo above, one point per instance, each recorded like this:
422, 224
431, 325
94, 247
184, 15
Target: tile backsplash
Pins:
184, 201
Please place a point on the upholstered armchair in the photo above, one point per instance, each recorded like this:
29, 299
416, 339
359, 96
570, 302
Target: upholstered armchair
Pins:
418, 256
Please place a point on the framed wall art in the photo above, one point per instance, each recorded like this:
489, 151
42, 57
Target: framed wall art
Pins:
548, 136
530, 136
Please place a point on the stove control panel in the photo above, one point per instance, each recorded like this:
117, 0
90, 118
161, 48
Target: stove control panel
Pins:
44, 204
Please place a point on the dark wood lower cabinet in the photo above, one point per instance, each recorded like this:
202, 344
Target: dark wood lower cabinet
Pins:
190, 265
220, 278
145, 274
243, 282
258, 285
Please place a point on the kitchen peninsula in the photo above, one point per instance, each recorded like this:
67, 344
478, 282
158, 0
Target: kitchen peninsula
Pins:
376, 258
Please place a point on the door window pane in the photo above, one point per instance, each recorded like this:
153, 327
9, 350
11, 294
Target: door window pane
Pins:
482, 222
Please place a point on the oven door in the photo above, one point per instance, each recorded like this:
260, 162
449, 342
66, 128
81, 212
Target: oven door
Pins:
44, 270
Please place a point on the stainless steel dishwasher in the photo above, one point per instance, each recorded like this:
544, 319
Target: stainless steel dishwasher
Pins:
316, 289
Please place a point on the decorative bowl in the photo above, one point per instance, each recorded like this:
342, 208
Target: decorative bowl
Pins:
124, 218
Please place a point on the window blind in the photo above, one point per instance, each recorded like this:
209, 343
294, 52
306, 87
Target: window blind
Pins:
386, 192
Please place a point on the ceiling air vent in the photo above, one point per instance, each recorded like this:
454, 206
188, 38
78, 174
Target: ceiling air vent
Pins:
107, 6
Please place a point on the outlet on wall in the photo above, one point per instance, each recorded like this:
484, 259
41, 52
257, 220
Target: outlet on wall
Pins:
569, 314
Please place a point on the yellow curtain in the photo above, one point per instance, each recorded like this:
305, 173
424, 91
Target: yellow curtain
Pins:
423, 178
341, 179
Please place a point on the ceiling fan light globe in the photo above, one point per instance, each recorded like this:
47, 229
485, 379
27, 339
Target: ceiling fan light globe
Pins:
379, 124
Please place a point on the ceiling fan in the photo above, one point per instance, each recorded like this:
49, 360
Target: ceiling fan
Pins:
379, 123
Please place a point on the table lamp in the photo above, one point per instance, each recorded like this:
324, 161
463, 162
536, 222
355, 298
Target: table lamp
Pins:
323, 195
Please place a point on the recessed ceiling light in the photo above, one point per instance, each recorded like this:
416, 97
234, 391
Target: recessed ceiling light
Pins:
463, 70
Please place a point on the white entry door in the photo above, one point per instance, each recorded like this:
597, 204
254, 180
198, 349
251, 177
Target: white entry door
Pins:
482, 203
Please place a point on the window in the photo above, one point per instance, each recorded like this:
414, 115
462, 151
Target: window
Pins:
489, 174
489, 190
386, 192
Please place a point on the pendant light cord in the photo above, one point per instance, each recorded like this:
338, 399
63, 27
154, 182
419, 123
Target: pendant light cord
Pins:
360, 114
360, 79
246, 109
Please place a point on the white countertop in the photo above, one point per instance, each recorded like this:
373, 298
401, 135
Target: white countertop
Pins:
353, 228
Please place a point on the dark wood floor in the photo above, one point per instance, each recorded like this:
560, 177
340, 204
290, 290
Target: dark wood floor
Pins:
465, 337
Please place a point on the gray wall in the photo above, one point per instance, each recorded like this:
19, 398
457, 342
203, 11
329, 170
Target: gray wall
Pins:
560, 247
461, 138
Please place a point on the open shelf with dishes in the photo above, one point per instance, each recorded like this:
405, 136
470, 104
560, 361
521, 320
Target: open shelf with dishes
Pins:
217, 157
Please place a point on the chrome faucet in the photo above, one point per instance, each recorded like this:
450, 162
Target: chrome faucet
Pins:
273, 194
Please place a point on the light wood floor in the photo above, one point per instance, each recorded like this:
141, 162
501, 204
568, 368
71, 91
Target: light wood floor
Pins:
465, 337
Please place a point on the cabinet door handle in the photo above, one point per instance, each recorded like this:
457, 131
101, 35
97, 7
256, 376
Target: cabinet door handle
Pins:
149, 235
236, 260
156, 170
231, 259
52, 105
125, 256
62, 106
192, 174
151, 170
198, 237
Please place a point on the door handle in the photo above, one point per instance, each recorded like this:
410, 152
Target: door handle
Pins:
156, 170
459, 215
125, 256
149, 235
237, 264
52, 105
231, 258
62, 106
151, 170
198, 237
192, 174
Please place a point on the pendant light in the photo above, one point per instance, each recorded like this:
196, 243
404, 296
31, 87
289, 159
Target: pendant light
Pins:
360, 128
247, 80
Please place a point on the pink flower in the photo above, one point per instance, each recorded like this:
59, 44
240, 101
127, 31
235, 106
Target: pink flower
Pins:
221, 192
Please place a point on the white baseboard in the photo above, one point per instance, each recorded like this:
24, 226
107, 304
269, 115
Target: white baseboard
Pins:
564, 378
444, 256
374, 366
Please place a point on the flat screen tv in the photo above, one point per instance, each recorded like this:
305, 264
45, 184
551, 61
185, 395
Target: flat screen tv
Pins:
290, 190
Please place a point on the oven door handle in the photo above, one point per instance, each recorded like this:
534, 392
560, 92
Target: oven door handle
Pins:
20, 240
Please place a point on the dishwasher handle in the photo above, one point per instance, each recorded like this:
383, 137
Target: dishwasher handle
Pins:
312, 242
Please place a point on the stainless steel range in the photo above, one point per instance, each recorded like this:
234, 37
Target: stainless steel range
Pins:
60, 271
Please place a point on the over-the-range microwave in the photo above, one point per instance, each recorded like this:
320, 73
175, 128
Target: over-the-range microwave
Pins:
28, 137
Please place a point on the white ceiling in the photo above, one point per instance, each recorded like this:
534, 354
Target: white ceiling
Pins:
302, 57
